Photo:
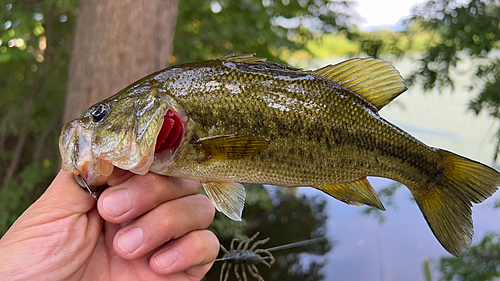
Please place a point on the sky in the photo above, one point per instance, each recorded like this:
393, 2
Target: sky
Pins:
383, 12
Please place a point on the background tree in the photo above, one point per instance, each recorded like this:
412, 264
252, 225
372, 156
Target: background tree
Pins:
36, 37
116, 43
110, 37
270, 28
35, 41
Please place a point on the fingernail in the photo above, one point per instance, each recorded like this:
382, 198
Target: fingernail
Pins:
131, 240
117, 203
166, 258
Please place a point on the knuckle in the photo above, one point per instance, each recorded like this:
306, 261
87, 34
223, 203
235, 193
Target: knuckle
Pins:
204, 241
215, 242
206, 205
197, 242
150, 187
192, 185
157, 182
165, 219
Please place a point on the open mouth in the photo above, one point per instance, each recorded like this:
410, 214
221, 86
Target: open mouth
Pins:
171, 132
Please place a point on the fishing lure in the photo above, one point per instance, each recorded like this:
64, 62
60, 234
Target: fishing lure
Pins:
249, 257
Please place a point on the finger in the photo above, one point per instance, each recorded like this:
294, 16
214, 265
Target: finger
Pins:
140, 194
64, 212
118, 176
64, 199
192, 254
65, 195
168, 221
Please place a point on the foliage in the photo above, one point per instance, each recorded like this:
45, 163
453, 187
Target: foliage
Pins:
480, 262
426, 270
461, 33
270, 28
35, 41
330, 45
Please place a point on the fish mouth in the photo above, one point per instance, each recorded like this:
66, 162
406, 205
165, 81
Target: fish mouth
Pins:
76, 153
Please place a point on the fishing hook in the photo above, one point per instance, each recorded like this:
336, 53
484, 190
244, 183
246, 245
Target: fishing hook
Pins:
81, 182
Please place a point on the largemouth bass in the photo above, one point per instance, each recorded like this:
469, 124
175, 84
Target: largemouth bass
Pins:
244, 119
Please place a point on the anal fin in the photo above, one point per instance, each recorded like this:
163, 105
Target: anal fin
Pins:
228, 197
356, 193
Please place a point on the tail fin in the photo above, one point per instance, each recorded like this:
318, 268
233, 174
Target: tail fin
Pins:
447, 203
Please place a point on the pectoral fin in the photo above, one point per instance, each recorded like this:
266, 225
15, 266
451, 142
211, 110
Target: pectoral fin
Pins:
357, 193
231, 147
227, 197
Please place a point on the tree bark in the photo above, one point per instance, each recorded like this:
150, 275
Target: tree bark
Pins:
116, 43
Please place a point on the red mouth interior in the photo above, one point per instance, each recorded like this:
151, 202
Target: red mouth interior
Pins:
171, 132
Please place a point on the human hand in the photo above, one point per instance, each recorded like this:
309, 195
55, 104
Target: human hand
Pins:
62, 236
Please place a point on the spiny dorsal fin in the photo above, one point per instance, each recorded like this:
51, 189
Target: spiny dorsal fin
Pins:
356, 193
375, 80
249, 58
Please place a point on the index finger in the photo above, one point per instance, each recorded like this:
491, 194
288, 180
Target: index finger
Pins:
140, 194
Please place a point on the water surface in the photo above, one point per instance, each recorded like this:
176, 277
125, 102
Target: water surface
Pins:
394, 250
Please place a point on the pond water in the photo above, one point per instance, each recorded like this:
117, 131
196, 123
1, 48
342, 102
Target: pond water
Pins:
394, 250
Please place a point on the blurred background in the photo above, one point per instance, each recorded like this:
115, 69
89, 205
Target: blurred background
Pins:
57, 57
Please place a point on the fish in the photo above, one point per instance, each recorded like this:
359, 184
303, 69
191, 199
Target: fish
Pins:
242, 119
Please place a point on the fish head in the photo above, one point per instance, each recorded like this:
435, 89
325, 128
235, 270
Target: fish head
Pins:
124, 131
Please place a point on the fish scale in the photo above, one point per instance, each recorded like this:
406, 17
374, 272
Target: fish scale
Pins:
243, 119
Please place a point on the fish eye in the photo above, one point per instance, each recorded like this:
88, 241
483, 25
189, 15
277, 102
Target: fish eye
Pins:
100, 112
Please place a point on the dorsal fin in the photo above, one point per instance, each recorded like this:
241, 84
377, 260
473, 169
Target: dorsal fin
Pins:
375, 80
249, 58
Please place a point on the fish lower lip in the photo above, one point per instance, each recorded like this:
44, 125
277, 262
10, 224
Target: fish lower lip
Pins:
94, 174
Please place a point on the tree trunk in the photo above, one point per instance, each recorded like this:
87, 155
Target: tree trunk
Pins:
116, 43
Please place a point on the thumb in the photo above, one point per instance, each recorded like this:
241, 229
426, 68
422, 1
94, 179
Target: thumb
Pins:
57, 233
64, 197
62, 205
